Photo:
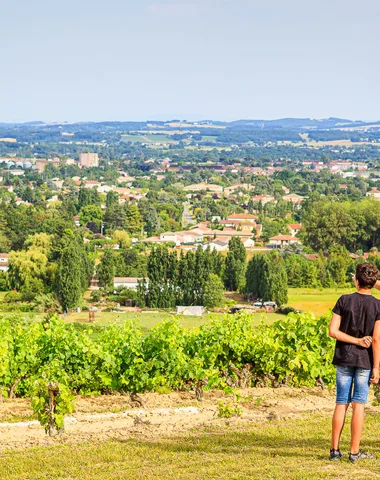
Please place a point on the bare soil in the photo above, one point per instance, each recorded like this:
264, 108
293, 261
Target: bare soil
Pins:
108, 417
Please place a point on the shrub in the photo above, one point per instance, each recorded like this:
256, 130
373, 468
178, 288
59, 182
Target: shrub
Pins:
4, 285
13, 297
96, 295
287, 309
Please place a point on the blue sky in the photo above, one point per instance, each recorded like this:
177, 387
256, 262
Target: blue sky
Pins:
82, 60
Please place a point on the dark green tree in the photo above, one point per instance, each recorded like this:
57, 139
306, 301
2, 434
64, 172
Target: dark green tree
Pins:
91, 214
133, 218
234, 272
213, 294
115, 218
112, 198
266, 278
69, 277
106, 270
88, 196
162, 272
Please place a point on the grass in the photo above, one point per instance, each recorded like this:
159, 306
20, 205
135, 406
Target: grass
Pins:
278, 450
318, 301
208, 138
149, 319
149, 138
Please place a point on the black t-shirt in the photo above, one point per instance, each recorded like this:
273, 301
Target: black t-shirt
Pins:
359, 313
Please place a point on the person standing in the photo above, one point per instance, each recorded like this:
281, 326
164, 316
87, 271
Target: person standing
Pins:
355, 325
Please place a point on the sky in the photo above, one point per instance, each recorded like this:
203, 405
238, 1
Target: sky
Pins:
94, 60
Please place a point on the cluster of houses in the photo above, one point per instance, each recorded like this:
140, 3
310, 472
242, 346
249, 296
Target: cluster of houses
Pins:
240, 225
346, 168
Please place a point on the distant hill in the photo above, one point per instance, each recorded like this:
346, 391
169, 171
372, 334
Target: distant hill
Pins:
298, 123
282, 123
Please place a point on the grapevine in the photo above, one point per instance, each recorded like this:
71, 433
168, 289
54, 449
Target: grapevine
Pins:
228, 351
51, 402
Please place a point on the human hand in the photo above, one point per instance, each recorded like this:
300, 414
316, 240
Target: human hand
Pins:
375, 376
365, 342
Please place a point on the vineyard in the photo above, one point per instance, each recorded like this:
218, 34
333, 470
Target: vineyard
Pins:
41, 357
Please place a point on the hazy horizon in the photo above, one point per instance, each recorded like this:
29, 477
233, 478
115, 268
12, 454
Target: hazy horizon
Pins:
182, 119
188, 59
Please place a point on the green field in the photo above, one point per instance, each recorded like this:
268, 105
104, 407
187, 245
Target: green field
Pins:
208, 138
149, 319
317, 301
149, 138
295, 449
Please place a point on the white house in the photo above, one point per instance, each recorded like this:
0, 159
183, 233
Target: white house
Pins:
189, 237
374, 193
263, 199
4, 258
293, 198
248, 243
295, 228
169, 237
185, 237
218, 245
280, 241
128, 282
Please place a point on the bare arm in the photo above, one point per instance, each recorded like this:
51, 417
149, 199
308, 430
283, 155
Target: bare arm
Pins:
334, 332
376, 352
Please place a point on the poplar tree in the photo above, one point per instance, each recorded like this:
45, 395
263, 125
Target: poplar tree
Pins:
162, 272
266, 278
69, 277
106, 270
234, 273
133, 218
213, 295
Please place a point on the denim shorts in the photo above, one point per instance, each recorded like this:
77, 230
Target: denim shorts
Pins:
352, 384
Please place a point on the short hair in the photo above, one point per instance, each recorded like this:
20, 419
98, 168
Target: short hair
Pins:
366, 274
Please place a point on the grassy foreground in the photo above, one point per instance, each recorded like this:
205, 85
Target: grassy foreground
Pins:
289, 450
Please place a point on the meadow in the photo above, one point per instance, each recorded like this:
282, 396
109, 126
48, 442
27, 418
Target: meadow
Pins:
148, 138
317, 301
296, 449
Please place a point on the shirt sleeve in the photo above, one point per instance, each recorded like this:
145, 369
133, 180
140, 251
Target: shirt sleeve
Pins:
338, 309
378, 312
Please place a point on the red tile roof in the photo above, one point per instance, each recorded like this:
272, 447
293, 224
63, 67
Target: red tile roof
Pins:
283, 237
241, 216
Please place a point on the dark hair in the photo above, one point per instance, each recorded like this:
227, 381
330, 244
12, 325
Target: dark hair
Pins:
366, 275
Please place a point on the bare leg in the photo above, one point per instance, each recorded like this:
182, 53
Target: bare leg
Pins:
338, 420
357, 423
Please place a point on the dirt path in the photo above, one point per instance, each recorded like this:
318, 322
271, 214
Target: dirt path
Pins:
107, 417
